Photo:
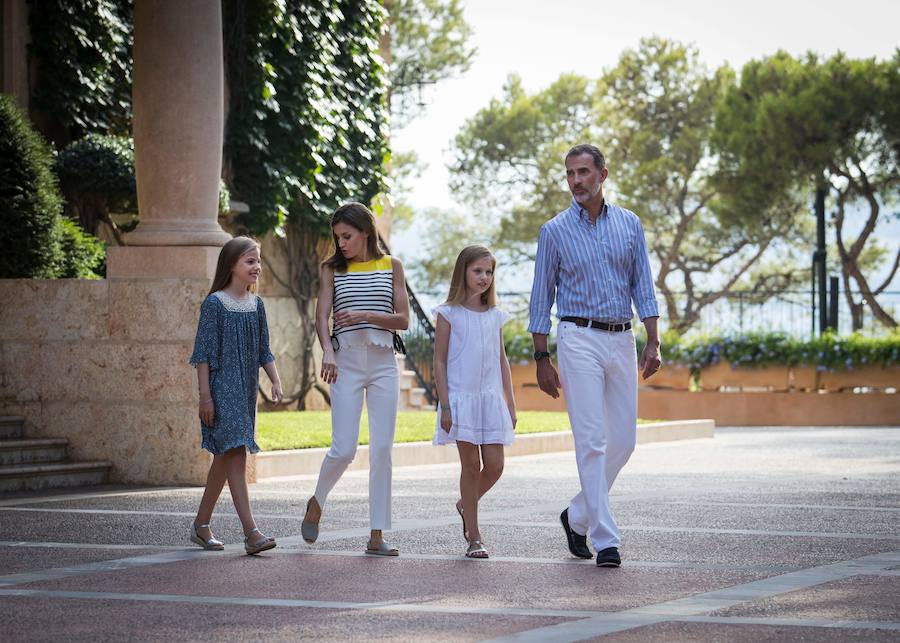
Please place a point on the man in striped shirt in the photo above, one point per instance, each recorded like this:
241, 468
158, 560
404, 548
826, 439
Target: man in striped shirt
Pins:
592, 259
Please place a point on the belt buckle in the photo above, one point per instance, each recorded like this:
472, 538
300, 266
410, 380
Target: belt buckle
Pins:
618, 328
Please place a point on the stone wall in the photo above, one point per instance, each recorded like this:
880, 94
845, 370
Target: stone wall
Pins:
104, 364
733, 408
287, 338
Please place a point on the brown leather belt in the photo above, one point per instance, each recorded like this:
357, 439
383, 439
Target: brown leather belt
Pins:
599, 325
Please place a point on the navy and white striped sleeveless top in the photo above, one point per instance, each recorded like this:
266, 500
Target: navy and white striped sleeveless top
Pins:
367, 285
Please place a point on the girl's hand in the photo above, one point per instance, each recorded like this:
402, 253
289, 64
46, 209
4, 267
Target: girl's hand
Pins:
351, 317
512, 414
329, 368
207, 412
277, 392
446, 420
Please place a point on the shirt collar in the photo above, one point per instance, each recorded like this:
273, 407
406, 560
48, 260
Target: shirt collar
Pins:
583, 213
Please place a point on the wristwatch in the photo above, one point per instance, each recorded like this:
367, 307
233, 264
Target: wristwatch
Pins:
539, 355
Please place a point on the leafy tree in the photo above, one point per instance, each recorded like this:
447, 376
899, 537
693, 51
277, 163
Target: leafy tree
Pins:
508, 157
658, 106
653, 114
426, 42
82, 50
813, 123
96, 175
306, 130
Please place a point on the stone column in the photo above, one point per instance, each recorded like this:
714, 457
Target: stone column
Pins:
178, 122
158, 281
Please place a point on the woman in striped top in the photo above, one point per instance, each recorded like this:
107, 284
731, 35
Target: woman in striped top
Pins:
365, 291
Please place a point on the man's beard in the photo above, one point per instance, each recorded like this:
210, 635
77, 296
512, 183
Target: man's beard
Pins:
586, 195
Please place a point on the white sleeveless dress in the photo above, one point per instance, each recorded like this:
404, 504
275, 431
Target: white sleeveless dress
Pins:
478, 408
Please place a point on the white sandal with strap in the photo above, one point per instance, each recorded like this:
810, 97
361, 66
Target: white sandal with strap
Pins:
476, 550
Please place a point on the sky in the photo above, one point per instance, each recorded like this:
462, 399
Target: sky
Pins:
541, 39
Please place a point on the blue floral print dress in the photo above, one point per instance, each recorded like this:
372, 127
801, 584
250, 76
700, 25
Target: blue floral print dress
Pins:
233, 338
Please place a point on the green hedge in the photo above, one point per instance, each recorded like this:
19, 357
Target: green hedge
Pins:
29, 199
827, 352
748, 350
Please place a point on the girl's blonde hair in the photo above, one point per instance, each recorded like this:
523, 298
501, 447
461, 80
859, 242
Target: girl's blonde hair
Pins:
469, 254
230, 254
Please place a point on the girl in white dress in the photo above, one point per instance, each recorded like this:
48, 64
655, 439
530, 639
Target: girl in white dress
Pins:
476, 410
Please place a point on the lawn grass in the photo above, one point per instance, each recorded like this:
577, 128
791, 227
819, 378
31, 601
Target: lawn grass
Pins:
311, 429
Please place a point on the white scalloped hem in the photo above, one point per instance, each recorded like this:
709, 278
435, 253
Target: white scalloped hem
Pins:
359, 338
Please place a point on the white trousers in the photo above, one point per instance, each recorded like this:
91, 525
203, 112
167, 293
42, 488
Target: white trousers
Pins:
598, 372
371, 370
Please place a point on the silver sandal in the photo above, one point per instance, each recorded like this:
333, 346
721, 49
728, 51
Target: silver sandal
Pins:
383, 549
264, 543
211, 545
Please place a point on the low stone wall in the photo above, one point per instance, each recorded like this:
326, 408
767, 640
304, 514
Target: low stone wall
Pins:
773, 409
104, 364
735, 408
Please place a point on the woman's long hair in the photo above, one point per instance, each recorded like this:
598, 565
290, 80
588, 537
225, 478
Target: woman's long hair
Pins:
230, 254
468, 255
360, 217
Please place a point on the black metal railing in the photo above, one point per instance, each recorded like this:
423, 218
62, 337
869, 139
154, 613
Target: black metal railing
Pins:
419, 341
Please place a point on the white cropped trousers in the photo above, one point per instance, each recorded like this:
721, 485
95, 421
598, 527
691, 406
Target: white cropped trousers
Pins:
370, 370
598, 372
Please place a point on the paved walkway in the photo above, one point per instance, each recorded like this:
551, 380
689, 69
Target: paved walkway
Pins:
755, 535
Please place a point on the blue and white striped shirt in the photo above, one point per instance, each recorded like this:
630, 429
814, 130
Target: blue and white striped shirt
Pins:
593, 271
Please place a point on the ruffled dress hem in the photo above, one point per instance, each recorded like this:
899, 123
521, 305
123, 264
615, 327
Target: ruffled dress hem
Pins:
366, 337
251, 446
472, 414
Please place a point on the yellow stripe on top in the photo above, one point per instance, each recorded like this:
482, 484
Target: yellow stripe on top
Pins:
369, 266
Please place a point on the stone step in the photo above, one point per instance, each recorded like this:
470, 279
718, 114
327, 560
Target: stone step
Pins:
21, 477
22, 451
11, 427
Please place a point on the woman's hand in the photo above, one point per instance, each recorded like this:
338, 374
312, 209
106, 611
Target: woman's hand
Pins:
446, 420
207, 412
329, 368
351, 317
277, 392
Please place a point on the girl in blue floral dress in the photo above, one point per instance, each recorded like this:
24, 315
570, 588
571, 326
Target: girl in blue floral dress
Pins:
232, 343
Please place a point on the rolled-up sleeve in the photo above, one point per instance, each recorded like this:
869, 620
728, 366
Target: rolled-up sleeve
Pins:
543, 289
643, 293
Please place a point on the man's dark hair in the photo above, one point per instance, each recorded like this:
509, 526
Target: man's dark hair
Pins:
593, 150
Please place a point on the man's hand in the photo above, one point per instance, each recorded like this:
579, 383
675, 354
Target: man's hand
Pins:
548, 378
650, 359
